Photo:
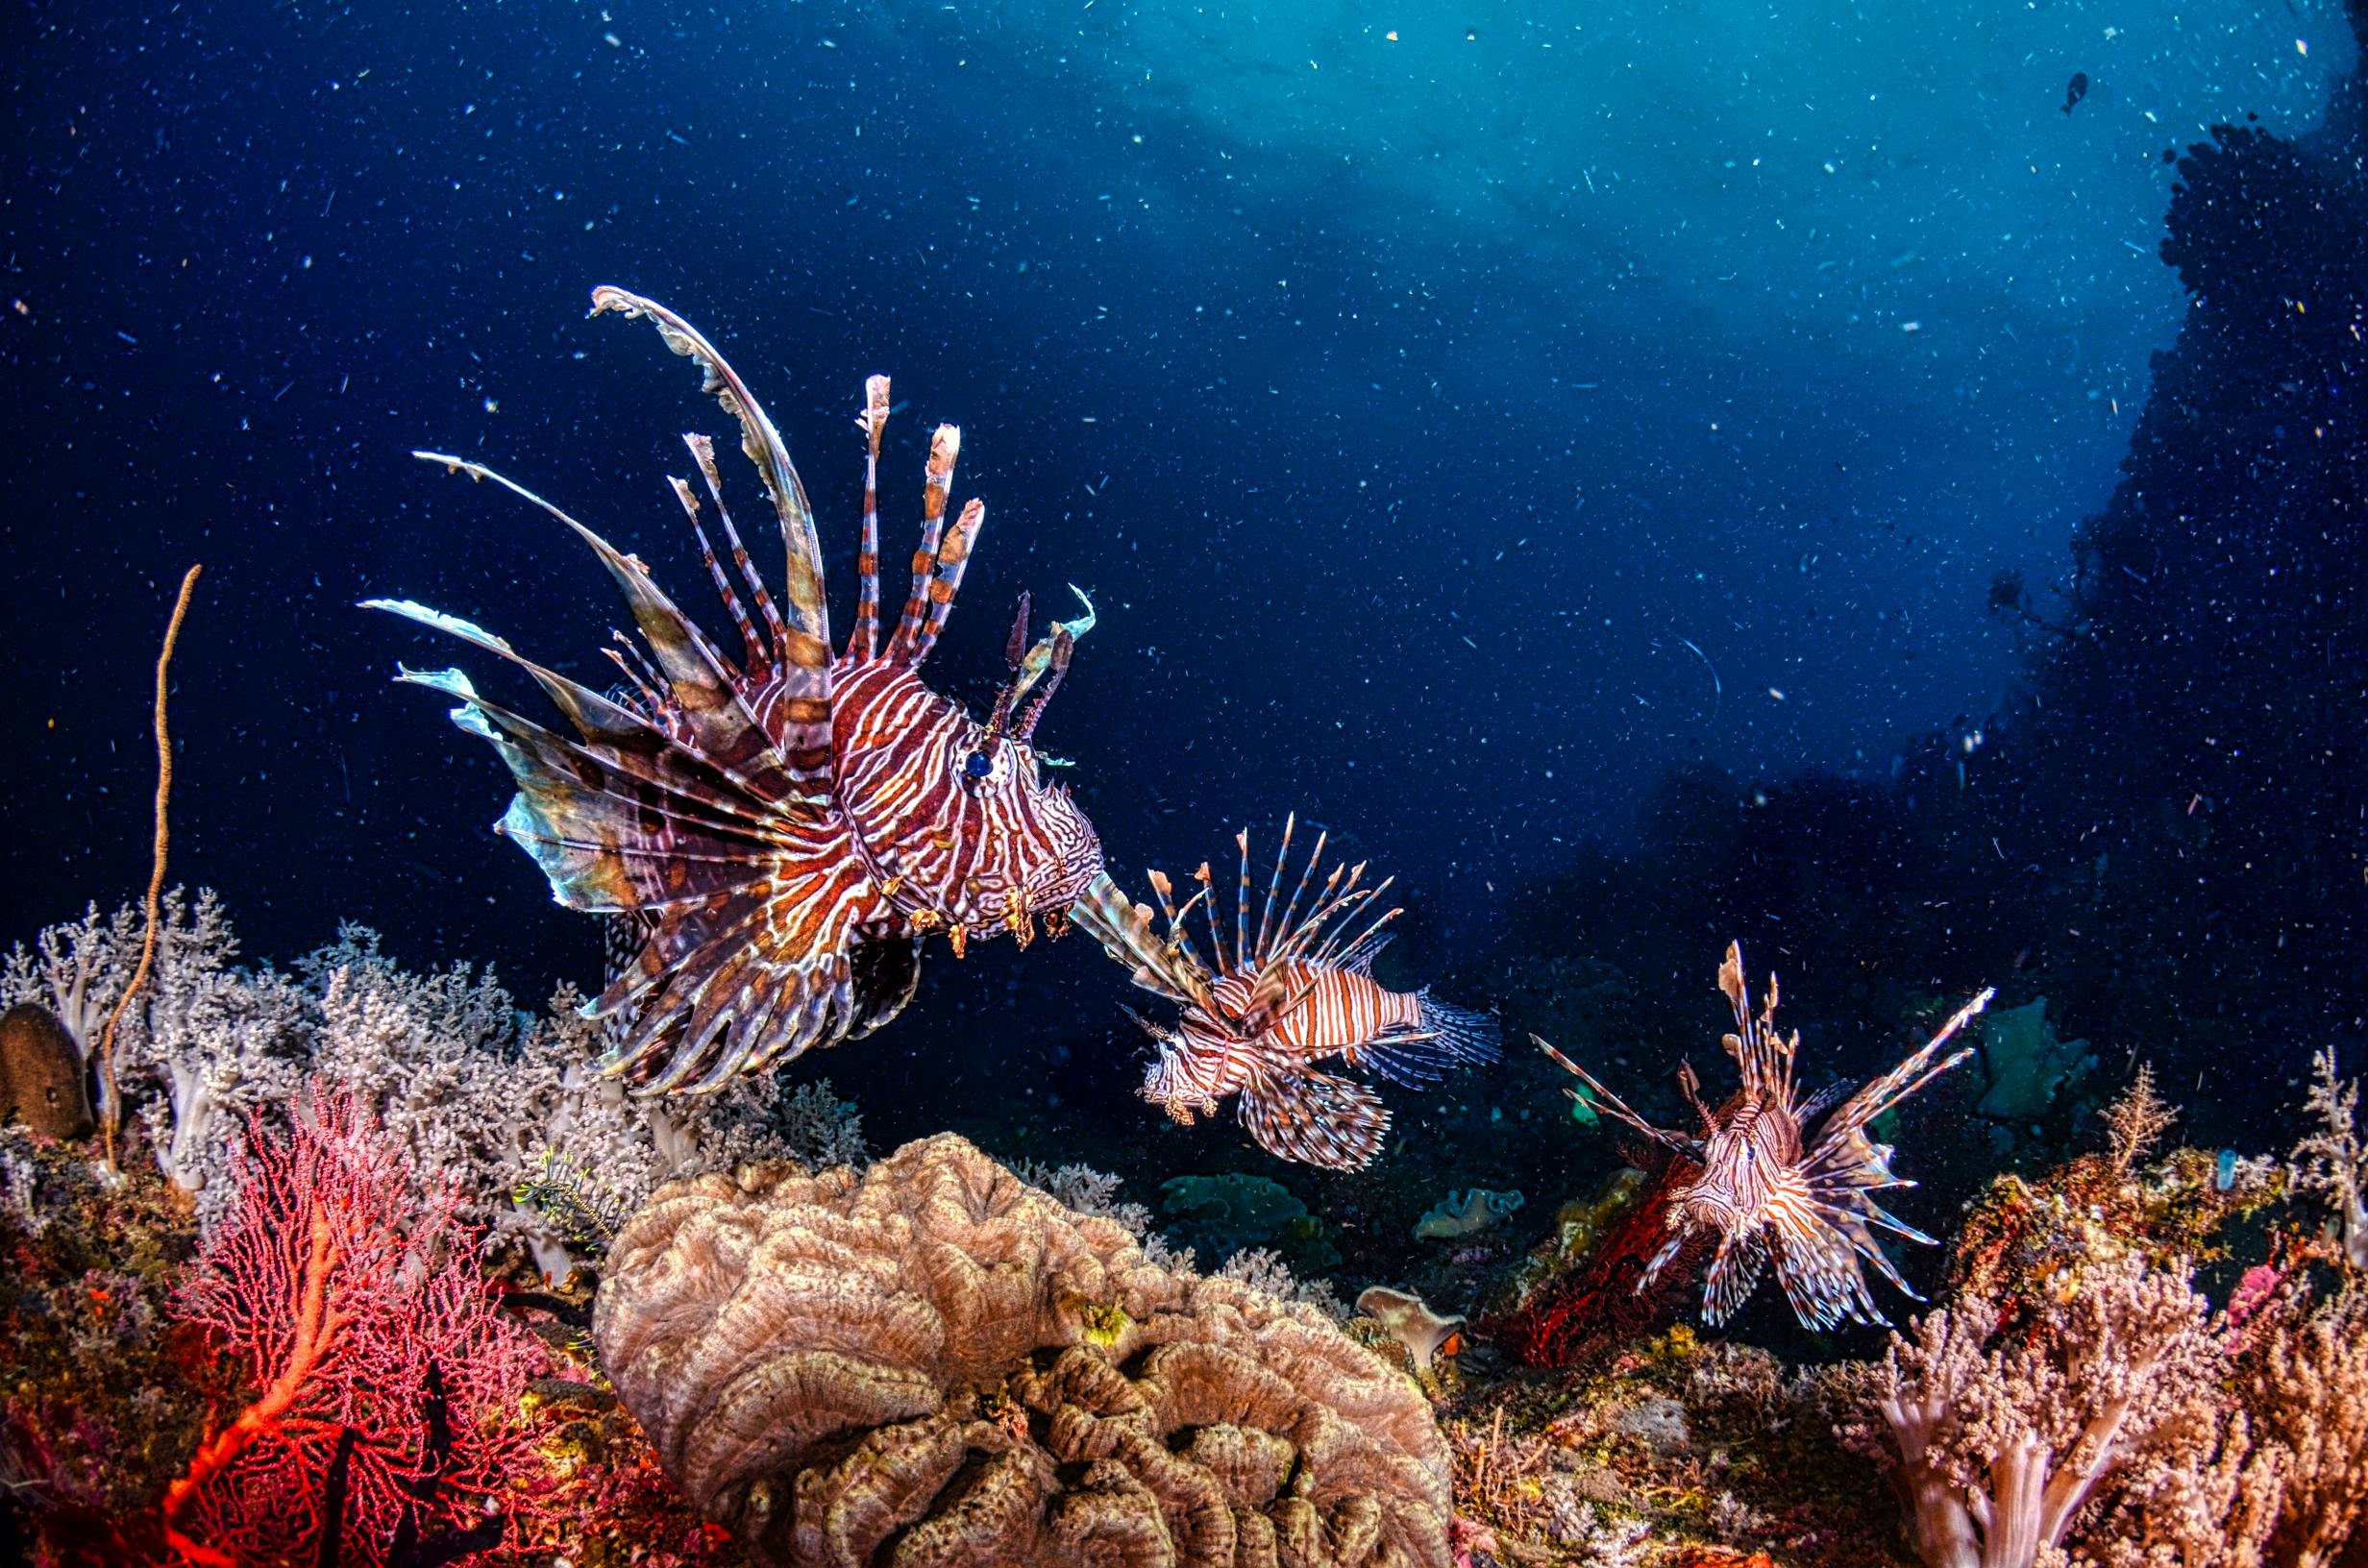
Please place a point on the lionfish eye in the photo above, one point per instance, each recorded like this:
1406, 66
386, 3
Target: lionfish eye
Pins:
976, 765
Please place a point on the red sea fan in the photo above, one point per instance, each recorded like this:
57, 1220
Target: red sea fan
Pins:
389, 1407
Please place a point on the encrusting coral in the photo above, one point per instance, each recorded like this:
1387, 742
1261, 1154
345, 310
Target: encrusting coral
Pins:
934, 1362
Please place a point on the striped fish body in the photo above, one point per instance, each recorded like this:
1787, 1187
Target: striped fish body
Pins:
947, 848
1258, 1024
1338, 1011
778, 828
1777, 1186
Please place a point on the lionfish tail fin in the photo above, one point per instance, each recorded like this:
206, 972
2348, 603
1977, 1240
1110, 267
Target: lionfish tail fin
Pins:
1449, 1037
1465, 1037
1314, 1118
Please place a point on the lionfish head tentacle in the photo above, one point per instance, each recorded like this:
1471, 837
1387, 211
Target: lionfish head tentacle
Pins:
1063, 646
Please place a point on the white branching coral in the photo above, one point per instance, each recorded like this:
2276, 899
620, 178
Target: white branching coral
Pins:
204, 1043
1096, 1192
2331, 1161
1995, 1452
1261, 1269
481, 1092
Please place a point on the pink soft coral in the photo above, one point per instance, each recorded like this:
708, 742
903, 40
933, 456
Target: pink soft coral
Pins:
372, 1336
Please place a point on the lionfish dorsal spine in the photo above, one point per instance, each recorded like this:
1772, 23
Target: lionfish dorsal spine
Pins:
703, 453
863, 643
717, 721
754, 655
803, 663
953, 557
1274, 884
937, 483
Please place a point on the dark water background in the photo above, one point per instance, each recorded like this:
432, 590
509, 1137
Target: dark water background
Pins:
1531, 446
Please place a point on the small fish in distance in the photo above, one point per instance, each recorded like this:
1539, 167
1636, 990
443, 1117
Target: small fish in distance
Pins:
1257, 1020
1772, 1191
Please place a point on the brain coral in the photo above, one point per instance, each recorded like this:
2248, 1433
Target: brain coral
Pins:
935, 1363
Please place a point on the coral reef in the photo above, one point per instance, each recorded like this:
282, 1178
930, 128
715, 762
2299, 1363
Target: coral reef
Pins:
935, 1357
388, 1385
2305, 1385
104, 1393
481, 1092
1462, 1213
1995, 1452
42, 1074
2331, 1162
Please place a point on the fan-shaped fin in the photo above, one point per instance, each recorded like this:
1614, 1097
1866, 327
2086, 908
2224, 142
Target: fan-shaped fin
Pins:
1314, 1118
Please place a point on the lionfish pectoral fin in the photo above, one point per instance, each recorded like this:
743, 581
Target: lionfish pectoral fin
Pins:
887, 973
1314, 1118
1733, 1273
704, 690
757, 974
1604, 1100
1123, 929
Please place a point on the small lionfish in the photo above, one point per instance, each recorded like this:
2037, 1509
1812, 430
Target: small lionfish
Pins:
1773, 1194
1300, 991
787, 829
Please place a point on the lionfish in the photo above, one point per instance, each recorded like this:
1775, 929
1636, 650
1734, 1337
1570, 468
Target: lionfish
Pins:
784, 828
1771, 1191
1262, 1013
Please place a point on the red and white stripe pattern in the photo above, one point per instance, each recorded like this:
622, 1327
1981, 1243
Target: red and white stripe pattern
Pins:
1772, 1195
1260, 1016
784, 827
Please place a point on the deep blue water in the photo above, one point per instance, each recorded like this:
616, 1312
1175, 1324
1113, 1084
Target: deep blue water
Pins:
1463, 416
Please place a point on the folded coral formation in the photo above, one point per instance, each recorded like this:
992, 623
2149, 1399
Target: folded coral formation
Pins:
935, 1362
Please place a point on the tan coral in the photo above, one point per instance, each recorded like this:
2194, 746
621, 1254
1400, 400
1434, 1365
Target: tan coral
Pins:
936, 1364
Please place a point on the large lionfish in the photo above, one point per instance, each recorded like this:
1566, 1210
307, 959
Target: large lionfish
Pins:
1772, 1191
1300, 992
784, 828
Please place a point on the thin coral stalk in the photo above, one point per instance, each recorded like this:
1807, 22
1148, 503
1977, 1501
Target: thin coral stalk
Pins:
110, 1109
